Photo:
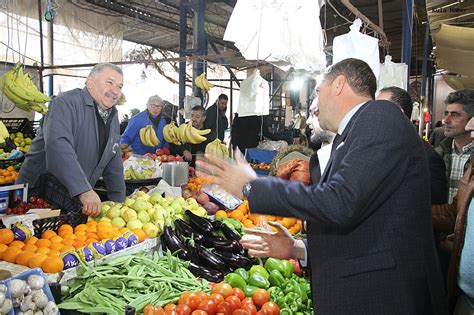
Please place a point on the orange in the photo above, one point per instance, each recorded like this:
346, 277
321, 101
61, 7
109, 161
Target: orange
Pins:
69, 236
68, 241
104, 233
91, 229
237, 214
81, 238
32, 240
43, 250
123, 230
65, 227
6, 236
11, 253
52, 264
80, 227
54, 253
103, 224
91, 240
288, 222
43, 242
30, 247
221, 214
48, 234
56, 246
37, 260
79, 244
56, 239
24, 257
91, 223
140, 234
67, 248
3, 248
248, 224
80, 233
18, 244
92, 235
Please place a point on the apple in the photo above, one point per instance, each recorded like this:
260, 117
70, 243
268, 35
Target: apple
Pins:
164, 158
159, 152
166, 151
179, 158
171, 158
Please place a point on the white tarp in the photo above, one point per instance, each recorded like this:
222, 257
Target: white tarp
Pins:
283, 32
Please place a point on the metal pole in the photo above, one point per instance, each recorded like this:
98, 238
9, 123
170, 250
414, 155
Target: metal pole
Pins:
407, 33
182, 54
232, 98
40, 69
51, 56
424, 71
200, 43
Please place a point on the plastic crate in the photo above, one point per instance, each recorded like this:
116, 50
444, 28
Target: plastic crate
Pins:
22, 125
24, 276
55, 193
15, 162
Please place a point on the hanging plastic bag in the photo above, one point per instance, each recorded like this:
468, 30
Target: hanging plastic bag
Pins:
357, 45
254, 96
392, 74
189, 102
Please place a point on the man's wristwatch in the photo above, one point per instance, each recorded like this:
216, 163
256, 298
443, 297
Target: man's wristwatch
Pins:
246, 189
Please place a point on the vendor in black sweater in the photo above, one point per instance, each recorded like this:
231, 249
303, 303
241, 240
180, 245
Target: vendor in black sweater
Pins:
247, 131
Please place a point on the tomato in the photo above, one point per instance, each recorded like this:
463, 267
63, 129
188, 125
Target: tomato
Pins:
233, 301
183, 297
238, 293
264, 312
273, 307
217, 298
250, 308
224, 308
170, 312
192, 300
240, 312
183, 309
203, 296
247, 300
260, 297
222, 288
199, 312
170, 307
209, 306
158, 311
149, 310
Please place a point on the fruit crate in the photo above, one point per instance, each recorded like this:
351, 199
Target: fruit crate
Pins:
55, 193
16, 163
22, 125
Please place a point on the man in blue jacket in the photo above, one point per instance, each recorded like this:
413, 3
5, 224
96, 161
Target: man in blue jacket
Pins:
79, 140
151, 116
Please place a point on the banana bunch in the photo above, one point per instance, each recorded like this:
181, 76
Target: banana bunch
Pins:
3, 133
186, 133
202, 83
18, 88
148, 136
218, 148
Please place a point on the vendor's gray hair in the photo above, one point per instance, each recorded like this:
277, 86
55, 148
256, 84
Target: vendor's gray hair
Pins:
100, 66
155, 99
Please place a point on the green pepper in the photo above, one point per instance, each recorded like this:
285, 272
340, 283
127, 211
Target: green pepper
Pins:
300, 291
286, 311
235, 280
289, 288
243, 273
294, 307
276, 279
287, 267
258, 280
275, 293
273, 264
249, 290
260, 270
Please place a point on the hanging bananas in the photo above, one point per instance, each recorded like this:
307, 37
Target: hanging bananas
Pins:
202, 82
18, 88
218, 148
185, 133
148, 136
3, 132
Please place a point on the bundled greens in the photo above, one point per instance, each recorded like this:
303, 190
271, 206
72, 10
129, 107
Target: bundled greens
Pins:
135, 280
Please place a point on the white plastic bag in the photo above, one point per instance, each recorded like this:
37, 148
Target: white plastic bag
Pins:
357, 45
392, 74
189, 102
254, 96
141, 167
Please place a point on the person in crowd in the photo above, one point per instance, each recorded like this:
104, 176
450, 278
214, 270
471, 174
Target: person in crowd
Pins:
458, 218
457, 147
247, 132
216, 118
79, 140
124, 123
150, 116
438, 183
370, 238
134, 112
187, 150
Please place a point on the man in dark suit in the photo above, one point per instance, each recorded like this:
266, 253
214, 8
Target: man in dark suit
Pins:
370, 241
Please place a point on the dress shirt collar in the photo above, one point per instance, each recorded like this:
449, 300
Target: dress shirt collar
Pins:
347, 118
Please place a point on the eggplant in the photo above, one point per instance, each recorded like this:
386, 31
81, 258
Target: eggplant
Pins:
229, 233
223, 245
211, 260
206, 273
186, 230
234, 260
199, 223
217, 224
174, 244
